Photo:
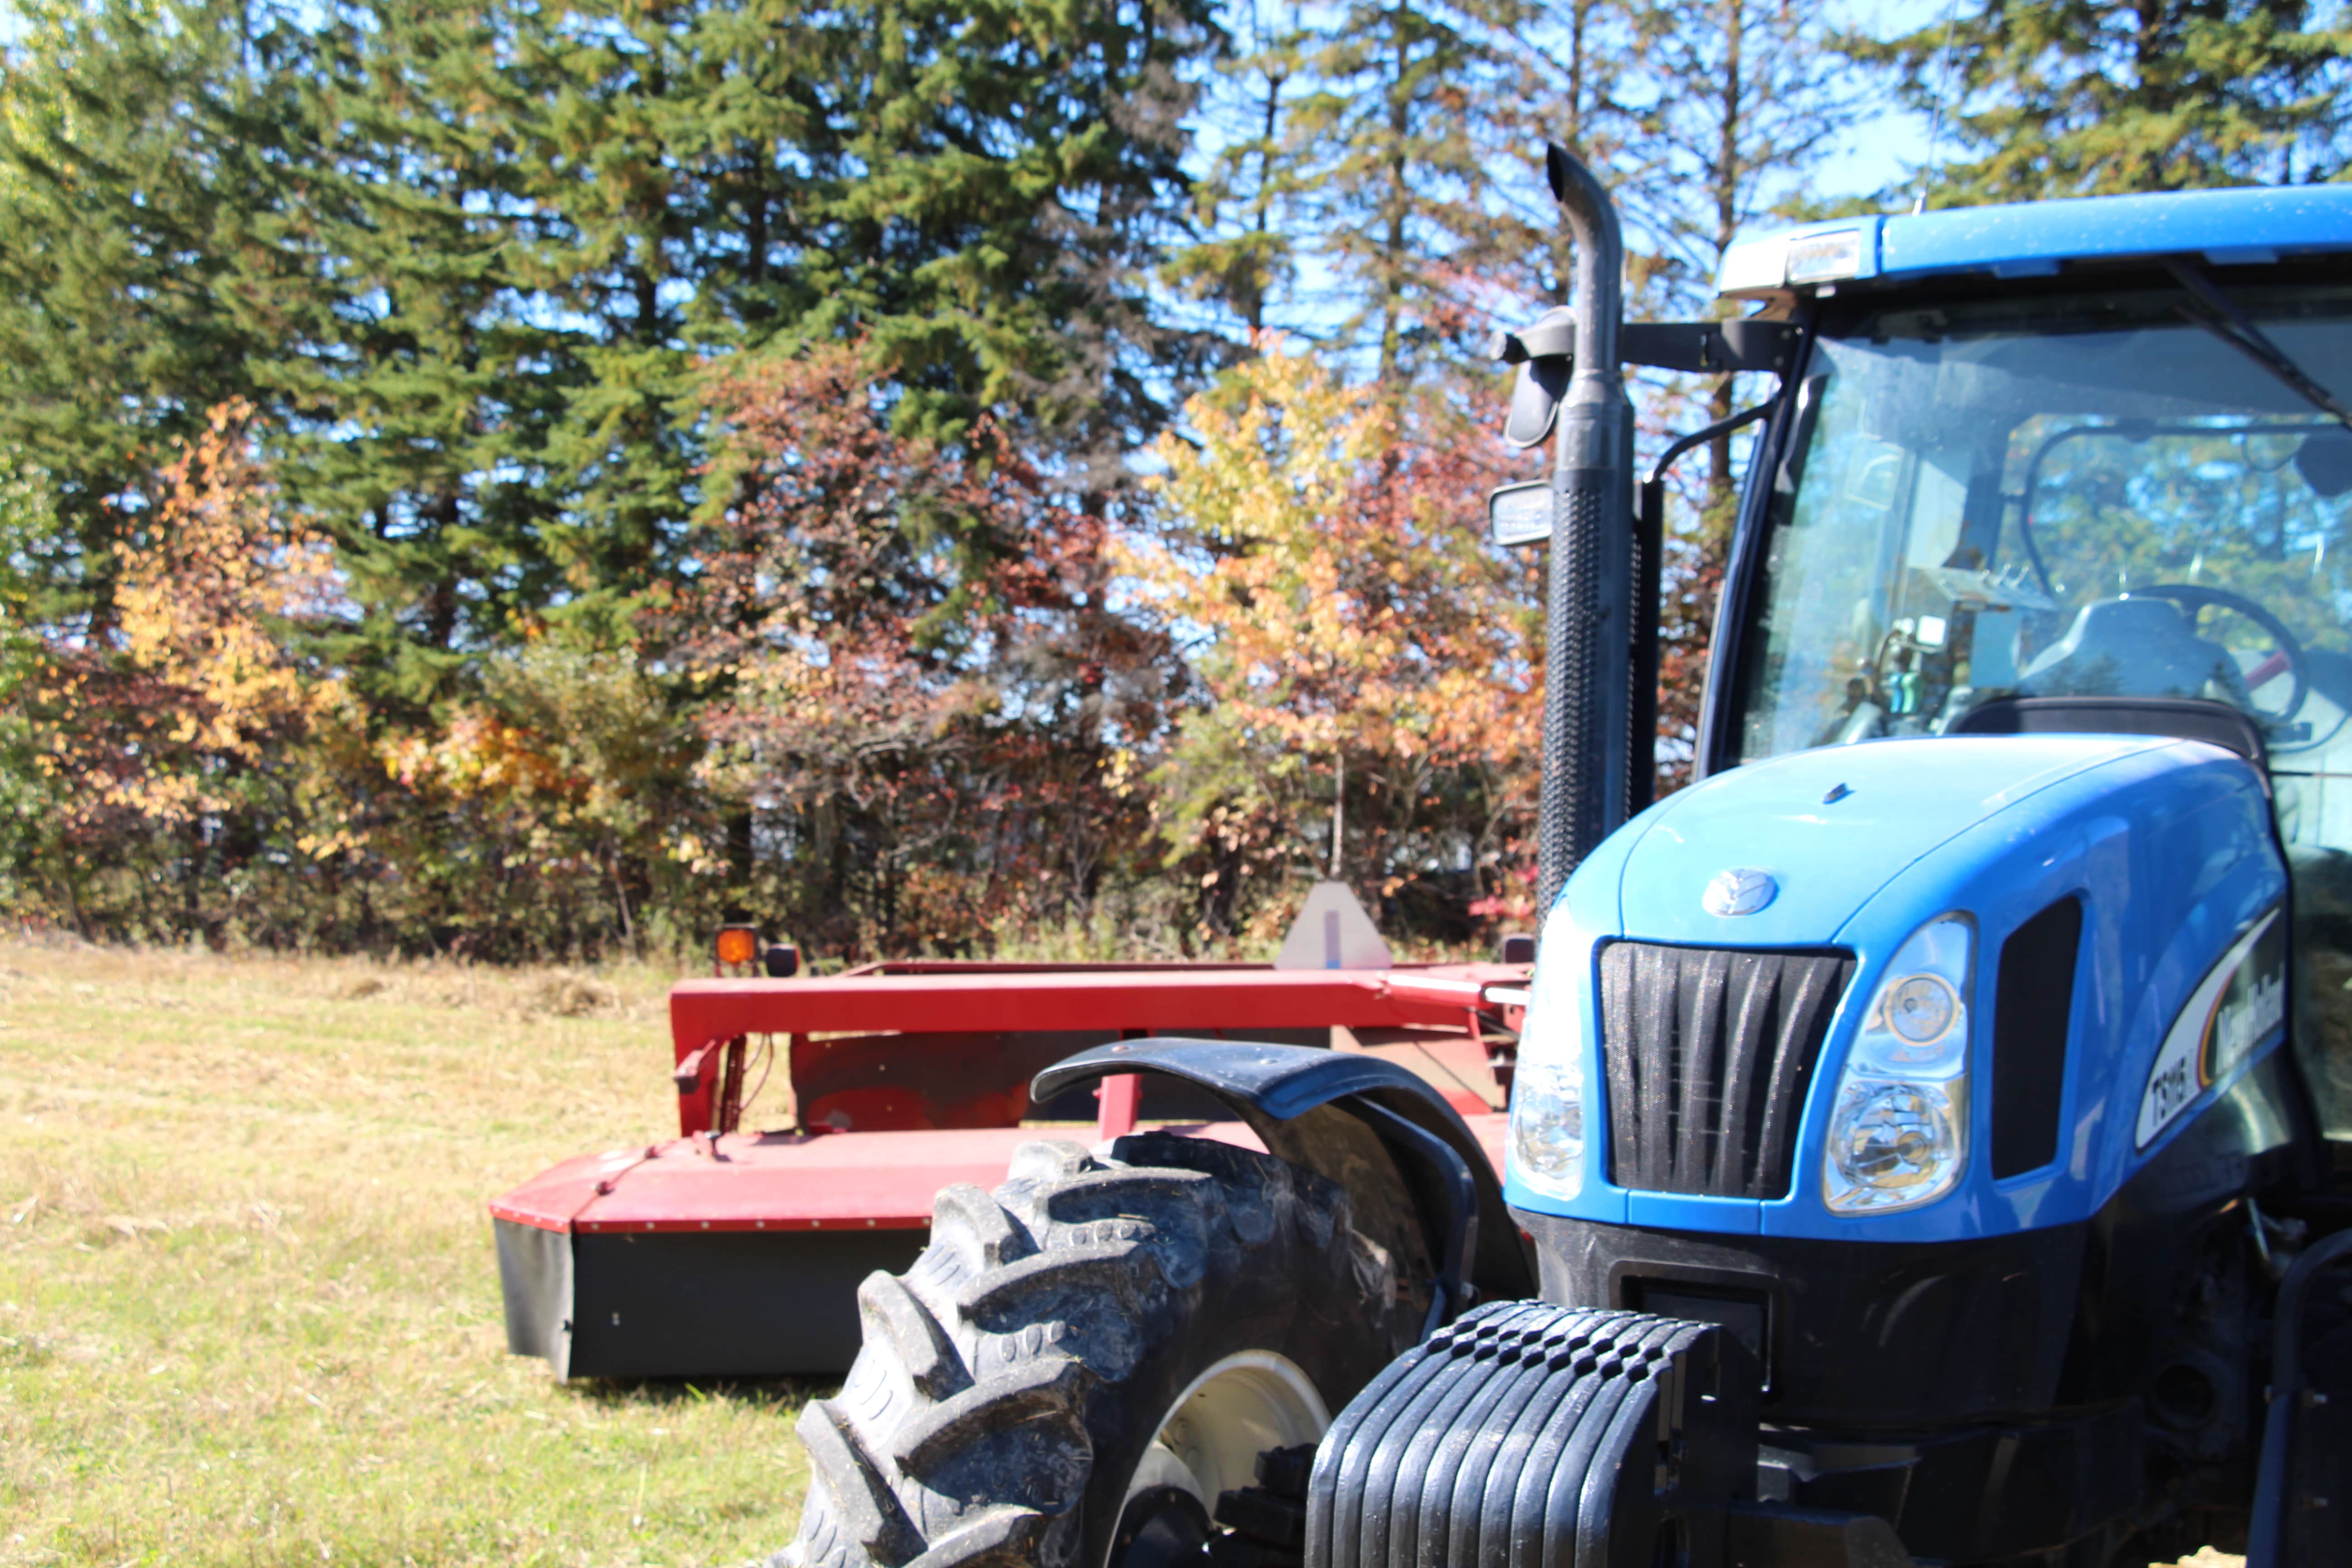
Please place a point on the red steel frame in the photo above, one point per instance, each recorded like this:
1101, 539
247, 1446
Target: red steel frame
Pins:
715, 1177
709, 1018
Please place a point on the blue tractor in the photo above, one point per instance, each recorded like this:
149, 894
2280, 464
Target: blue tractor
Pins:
1931, 1132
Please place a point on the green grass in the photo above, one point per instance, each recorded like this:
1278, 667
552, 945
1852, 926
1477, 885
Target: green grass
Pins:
248, 1307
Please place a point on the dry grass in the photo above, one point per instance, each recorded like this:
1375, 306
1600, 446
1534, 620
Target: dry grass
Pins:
248, 1308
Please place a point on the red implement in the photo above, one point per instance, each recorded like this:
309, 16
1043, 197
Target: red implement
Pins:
729, 1252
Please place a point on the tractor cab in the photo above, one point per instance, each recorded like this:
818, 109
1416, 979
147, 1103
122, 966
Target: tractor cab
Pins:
2111, 498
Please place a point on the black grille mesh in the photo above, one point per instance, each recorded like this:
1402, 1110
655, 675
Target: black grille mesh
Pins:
1707, 1052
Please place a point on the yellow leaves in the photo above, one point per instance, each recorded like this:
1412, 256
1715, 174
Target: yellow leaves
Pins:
476, 755
331, 843
205, 586
1120, 769
1263, 500
1346, 605
689, 850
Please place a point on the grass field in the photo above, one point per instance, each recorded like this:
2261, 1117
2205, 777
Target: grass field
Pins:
248, 1308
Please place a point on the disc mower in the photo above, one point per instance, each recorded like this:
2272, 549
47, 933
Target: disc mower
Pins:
1927, 1133
736, 1249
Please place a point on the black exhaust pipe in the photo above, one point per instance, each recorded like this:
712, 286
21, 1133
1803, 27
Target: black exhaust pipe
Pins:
1588, 744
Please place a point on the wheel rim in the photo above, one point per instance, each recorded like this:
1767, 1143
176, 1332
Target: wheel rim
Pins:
1210, 1437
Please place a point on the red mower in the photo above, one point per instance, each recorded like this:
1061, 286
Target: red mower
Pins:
727, 1251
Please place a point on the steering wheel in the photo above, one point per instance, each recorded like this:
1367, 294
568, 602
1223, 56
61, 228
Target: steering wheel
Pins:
2195, 598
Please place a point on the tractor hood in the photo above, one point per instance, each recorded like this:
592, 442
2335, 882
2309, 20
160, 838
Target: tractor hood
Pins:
1830, 828
1841, 856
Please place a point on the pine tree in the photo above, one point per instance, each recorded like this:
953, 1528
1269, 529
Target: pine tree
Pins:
1389, 164
1568, 71
1242, 249
136, 140
2059, 98
987, 191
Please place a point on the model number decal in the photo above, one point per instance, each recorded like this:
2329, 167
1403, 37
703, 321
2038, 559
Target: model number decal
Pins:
2233, 1009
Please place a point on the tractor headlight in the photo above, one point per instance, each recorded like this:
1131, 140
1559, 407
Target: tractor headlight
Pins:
1546, 1149
1899, 1126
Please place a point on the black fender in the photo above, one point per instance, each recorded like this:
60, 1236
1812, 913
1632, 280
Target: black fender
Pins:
1313, 1106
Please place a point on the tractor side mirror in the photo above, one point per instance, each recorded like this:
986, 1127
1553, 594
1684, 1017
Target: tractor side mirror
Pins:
1546, 355
1519, 514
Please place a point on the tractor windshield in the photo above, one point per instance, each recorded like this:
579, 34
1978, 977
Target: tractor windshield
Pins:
2079, 496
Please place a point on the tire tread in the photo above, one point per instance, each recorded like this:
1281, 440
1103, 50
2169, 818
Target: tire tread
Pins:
967, 1434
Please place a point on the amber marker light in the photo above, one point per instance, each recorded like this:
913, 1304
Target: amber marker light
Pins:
738, 944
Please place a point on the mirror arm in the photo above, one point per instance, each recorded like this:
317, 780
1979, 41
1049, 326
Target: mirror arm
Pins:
1698, 348
1649, 546
1673, 454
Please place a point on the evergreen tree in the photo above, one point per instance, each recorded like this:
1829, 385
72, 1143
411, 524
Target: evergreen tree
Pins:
468, 255
1241, 251
1391, 152
137, 142
1570, 72
2060, 98
1009, 175
421, 402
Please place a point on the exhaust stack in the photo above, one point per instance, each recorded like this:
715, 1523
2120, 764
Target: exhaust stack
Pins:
1588, 744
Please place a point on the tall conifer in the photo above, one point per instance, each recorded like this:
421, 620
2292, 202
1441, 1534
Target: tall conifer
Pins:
2062, 98
1391, 169
138, 142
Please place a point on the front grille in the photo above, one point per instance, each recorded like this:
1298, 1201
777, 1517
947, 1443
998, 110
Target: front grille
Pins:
1707, 1053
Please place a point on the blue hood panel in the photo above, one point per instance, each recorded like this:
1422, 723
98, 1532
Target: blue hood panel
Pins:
2167, 845
1902, 799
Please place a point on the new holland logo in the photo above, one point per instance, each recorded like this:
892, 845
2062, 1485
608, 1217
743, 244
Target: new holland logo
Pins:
2238, 1004
1742, 891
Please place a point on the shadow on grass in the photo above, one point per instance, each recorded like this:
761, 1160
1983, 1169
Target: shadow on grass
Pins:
752, 1392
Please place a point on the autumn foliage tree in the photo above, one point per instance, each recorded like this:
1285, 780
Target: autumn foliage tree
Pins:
1369, 705
917, 689
179, 737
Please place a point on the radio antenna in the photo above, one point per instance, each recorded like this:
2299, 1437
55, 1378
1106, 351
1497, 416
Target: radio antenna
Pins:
1936, 120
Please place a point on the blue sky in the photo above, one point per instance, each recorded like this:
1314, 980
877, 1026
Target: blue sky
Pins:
1879, 149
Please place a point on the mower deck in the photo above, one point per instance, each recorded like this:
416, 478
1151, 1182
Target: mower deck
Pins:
731, 1253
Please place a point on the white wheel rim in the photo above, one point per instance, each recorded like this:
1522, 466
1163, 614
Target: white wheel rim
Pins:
1210, 1438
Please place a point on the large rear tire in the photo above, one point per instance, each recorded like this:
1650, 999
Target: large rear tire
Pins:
1079, 1363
